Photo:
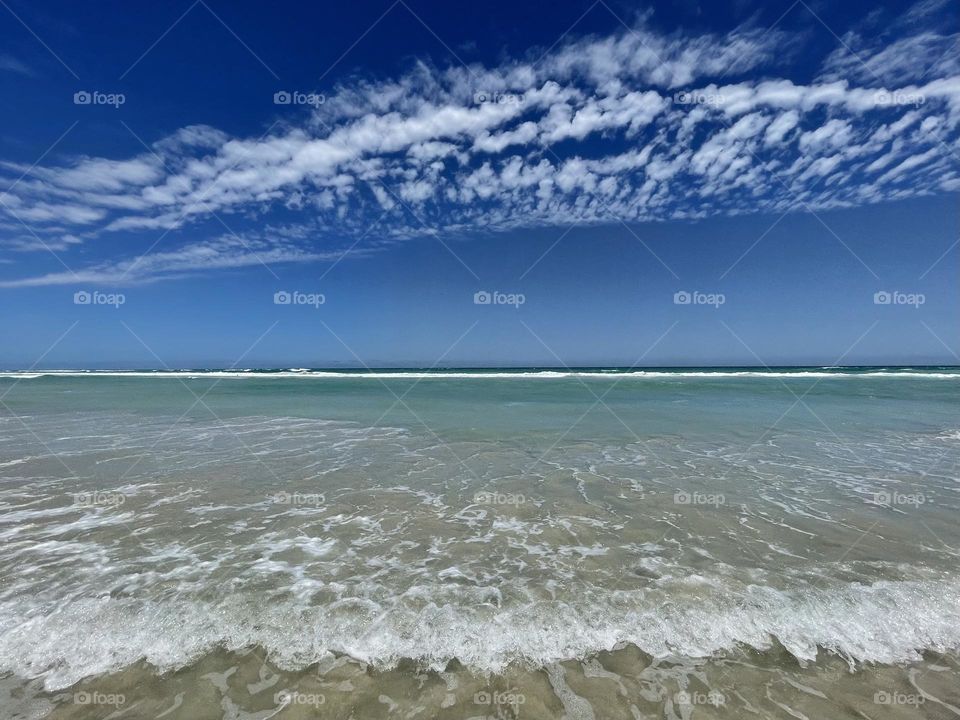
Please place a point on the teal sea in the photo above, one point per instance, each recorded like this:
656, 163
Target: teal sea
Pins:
510, 543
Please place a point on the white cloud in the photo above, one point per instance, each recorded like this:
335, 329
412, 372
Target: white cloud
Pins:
594, 131
777, 130
833, 134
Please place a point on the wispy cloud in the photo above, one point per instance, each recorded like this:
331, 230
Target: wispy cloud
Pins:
222, 253
9, 63
910, 48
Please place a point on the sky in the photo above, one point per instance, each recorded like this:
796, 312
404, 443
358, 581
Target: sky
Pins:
412, 183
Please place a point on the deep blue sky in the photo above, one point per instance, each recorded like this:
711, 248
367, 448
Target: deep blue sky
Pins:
818, 166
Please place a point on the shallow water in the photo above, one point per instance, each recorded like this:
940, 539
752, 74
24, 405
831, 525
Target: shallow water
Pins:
666, 545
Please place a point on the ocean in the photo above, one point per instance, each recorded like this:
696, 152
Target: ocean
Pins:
531, 543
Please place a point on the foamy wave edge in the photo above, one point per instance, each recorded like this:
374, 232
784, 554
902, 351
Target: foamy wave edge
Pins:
498, 375
886, 622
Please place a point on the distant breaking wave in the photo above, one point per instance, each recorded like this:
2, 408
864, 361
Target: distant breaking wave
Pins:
606, 374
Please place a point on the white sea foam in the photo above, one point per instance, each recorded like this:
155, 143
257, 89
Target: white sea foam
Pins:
383, 552
887, 622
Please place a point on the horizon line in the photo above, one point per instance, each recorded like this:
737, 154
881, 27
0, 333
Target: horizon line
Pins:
449, 368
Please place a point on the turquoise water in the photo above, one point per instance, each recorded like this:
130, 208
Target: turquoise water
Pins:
599, 542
